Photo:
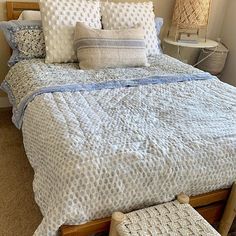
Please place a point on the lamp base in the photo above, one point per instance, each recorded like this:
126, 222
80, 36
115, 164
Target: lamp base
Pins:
187, 35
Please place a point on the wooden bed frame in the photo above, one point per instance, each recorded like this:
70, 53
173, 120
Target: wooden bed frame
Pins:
211, 205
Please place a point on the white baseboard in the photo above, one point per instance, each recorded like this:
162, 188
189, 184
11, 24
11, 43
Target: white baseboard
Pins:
4, 102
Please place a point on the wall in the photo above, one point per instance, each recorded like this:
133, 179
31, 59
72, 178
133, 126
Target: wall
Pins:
163, 8
229, 38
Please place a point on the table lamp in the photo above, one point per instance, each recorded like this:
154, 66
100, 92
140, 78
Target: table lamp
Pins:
189, 17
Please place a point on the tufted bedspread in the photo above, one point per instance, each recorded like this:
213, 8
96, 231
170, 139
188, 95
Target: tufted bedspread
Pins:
121, 139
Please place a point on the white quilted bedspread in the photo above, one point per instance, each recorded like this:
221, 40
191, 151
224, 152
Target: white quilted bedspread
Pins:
96, 152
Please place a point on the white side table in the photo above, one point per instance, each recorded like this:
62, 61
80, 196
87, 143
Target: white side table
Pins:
202, 43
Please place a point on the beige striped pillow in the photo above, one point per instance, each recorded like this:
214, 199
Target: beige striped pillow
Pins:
97, 49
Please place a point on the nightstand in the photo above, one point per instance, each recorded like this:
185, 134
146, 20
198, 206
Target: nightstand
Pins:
202, 43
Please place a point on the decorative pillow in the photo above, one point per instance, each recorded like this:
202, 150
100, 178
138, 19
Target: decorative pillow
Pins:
127, 15
98, 49
158, 24
30, 15
25, 38
59, 18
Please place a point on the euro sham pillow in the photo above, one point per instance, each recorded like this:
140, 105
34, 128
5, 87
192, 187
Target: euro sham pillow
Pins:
25, 38
98, 49
127, 15
59, 18
158, 25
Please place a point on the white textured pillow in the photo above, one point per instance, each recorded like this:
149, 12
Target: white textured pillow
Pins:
127, 15
59, 18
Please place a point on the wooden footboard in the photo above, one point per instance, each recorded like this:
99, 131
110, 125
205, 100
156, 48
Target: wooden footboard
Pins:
210, 206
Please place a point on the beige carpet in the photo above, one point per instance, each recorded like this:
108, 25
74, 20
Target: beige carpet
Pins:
19, 214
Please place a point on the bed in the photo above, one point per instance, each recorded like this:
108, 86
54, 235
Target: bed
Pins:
72, 124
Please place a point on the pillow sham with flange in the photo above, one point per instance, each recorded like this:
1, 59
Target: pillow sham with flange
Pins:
127, 15
158, 25
59, 18
25, 38
98, 49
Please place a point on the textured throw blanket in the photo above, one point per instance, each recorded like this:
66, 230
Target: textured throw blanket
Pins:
23, 84
121, 139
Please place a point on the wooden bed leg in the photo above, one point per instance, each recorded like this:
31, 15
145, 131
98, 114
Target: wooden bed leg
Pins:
183, 198
229, 213
117, 218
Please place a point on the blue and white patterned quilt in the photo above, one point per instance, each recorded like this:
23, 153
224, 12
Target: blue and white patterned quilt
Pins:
121, 139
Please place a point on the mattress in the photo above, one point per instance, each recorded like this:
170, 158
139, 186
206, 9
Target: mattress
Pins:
121, 139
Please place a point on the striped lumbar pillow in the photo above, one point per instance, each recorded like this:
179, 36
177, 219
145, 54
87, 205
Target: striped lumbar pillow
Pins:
98, 49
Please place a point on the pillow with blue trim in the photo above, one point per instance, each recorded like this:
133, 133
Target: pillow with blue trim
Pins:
26, 39
158, 25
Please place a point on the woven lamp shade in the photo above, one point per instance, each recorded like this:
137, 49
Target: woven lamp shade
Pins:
191, 14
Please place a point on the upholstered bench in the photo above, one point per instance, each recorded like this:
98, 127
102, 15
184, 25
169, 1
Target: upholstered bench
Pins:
172, 218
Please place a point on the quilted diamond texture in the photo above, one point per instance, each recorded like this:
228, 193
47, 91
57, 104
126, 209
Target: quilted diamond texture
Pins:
96, 152
127, 15
59, 18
